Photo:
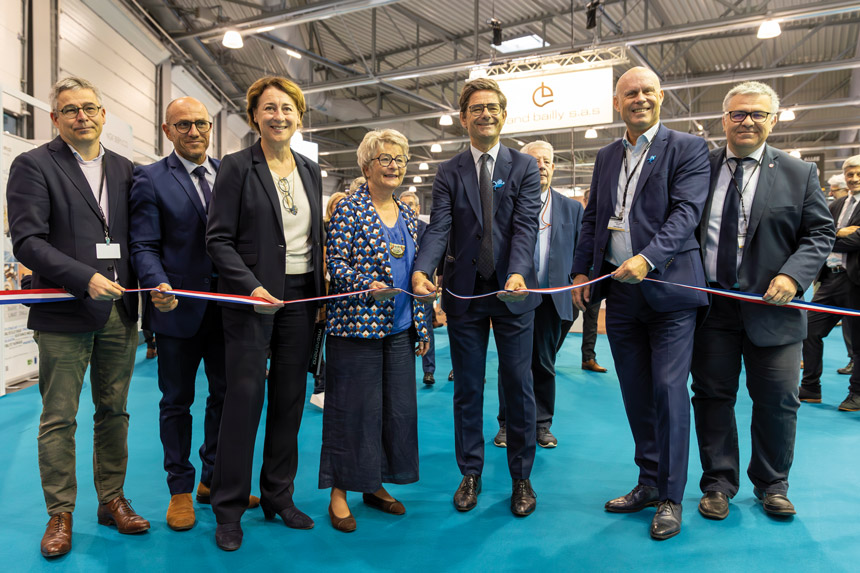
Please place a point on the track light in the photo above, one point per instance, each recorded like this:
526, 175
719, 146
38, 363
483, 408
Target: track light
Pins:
417, 179
591, 133
435, 148
423, 166
232, 39
768, 29
412, 188
446, 120
786, 115
496, 25
591, 14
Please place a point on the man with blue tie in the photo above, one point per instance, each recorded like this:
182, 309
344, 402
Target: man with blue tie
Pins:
485, 211
766, 229
648, 190
168, 210
558, 229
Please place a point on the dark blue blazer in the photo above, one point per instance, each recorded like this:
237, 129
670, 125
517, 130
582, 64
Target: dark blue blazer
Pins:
665, 212
455, 221
55, 225
168, 242
563, 237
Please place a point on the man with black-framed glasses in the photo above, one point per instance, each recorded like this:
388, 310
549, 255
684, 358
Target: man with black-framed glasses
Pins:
766, 230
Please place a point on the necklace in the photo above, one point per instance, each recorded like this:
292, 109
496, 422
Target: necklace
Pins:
396, 240
285, 186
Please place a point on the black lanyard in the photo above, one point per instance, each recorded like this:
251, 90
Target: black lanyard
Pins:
105, 226
741, 191
627, 175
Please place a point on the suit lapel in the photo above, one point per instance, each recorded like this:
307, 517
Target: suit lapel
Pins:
614, 171
716, 160
469, 179
112, 176
69, 165
764, 187
265, 175
501, 171
656, 151
177, 169
310, 186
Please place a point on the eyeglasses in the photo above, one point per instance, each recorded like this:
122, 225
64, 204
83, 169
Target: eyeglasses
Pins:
71, 111
741, 116
185, 126
286, 196
386, 159
492, 108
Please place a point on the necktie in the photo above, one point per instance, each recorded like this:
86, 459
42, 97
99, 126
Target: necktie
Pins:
200, 172
486, 263
846, 216
727, 249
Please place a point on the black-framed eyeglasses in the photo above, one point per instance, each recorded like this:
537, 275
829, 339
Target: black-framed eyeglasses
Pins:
185, 126
385, 160
287, 196
71, 111
492, 108
741, 116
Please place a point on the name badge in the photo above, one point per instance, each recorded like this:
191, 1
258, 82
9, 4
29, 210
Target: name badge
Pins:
741, 240
615, 224
107, 251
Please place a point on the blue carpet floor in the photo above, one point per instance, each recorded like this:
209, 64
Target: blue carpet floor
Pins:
568, 532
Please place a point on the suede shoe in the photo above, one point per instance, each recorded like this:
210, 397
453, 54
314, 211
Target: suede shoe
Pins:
180, 512
667, 520
501, 439
392, 507
118, 512
58, 535
639, 498
851, 403
292, 516
523, 498
847, 369
774, 503
466, 496
228, 536
714, 505
809, 394
545, 439
204, 496
345, 524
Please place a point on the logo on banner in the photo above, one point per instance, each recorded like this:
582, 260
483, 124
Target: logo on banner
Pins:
542, 95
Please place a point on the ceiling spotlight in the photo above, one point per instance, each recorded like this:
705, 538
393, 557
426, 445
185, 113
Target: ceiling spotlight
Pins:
423, 166
590, 133
786, 115
446, 120
417, 179
768, 29
436, 148
232, 39
323, 173
413, 188
519, 142
795, 153
591, 14
496, 25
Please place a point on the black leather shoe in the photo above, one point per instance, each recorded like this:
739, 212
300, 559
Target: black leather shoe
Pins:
851, 403
774, 503
228, 536
501, 439
714, 505
639, 498
429, 379
291, 516
523, 498
848, 369
466, 496
667, 520
545, 439
809, 394
451, 376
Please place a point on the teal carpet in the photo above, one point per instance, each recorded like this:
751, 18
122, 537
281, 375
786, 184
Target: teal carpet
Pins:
568, 532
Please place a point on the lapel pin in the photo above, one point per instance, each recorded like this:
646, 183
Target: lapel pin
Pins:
770, 165
652, 158
498, 184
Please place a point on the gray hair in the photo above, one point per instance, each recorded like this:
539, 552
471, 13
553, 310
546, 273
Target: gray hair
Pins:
753, 88
355, 184
72, 83
837, 180
851, 162
536, 145
374, 140
412, 194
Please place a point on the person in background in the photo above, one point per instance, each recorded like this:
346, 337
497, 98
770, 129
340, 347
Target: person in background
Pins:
149, 339
355, 184
589, 327
838, 187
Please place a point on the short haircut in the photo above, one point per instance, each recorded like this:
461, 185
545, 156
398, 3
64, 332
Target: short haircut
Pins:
480, 84
355, 184
371, 145
851, 162
72, 83
837, 180
167, 109
752, 88
540, 144
413, 194
287, 86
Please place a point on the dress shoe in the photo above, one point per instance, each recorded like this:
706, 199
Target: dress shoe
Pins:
523, 498
180, 512
58, 535
466, 496
501, 439
667, 520
714, 505
774, 503
429, 379
151, 353
593, 366
346, 524
545, 439
848, 369
809, 394
639, 498
204, 496
228, 536
318, 400
392, 507
291, 516
851, 403
451, 376
118, 512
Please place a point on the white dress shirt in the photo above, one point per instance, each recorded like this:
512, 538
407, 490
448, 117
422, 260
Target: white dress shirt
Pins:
190, 166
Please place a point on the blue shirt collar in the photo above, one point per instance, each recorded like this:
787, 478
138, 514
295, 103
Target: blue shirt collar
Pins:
643, 139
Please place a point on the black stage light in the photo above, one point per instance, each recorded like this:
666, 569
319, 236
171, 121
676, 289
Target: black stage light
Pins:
591, 14
497, 31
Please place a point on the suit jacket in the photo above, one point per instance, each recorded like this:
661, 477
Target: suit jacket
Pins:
357, 255
790, 232
245, 232
835, 207
849, 245
168, 242
666, 208
455, 221
563, 237
55, 225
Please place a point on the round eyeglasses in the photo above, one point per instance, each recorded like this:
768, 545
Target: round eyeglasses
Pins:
71, 111
185, 126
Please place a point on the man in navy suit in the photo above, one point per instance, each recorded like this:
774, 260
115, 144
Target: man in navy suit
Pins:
485, 212
766, 229
647, 194
168, 204
558, 230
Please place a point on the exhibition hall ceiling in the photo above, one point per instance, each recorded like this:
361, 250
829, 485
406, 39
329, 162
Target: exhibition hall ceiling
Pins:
367, 64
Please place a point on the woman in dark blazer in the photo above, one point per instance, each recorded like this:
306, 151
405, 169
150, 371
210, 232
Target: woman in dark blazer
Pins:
265, 238
370, 420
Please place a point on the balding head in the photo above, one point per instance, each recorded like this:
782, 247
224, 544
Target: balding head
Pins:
187, 126
638, 98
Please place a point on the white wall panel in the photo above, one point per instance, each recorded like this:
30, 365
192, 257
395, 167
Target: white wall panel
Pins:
10, 46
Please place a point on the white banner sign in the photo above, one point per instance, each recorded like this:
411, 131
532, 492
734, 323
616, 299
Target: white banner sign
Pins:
558, 100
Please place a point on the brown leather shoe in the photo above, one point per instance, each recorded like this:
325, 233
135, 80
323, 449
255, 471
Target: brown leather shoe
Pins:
203, 496
346, 524
392, 507
180, 512
58, 535
118, 512
593, 366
